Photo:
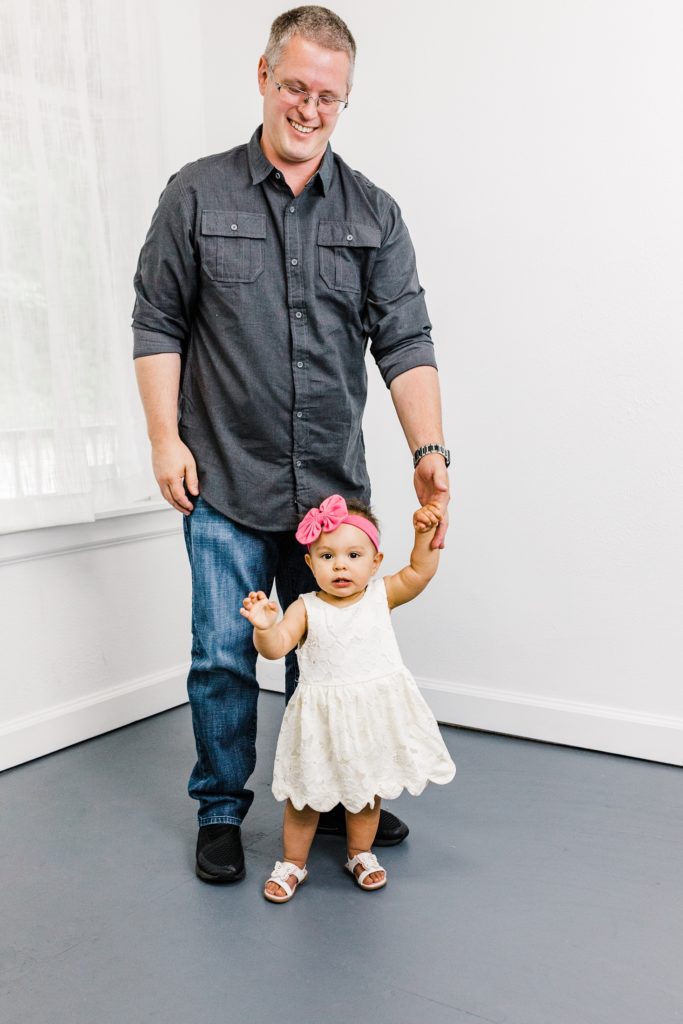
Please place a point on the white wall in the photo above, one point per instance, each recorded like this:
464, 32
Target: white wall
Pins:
96, 628
535, 149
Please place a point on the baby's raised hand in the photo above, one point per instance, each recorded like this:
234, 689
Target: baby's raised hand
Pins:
261, 612
427, 518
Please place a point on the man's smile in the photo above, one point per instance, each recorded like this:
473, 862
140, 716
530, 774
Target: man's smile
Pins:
302, 127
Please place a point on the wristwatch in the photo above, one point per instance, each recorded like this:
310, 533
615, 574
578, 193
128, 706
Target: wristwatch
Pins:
427, 449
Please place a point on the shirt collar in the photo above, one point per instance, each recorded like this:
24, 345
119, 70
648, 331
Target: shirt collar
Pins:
260, 167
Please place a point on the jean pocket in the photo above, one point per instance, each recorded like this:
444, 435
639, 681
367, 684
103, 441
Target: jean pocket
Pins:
345, 252
232, 245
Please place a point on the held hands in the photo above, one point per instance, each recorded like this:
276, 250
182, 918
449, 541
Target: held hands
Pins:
427, 518
432, 488
261, 612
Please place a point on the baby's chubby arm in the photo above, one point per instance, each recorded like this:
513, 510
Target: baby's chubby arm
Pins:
274, 639
410, 581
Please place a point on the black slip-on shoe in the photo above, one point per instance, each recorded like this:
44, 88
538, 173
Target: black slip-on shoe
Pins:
390, 832
220, 857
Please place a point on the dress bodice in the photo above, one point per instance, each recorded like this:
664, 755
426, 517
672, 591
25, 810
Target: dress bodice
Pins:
351, 643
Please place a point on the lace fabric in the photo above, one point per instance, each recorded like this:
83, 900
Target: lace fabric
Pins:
357, 725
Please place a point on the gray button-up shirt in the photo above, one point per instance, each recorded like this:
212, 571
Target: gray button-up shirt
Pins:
270, 300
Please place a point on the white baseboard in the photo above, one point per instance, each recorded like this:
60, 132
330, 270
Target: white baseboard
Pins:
569, 723
593, 727
23, 739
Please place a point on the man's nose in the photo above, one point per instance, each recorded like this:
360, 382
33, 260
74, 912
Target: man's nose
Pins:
307, 108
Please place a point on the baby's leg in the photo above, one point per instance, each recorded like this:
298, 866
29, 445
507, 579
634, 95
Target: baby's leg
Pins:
297, 835
361, 830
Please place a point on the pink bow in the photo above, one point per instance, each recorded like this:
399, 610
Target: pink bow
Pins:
328, 517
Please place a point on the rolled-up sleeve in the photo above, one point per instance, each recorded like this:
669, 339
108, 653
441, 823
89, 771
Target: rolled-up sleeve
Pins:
395, 315
166, 278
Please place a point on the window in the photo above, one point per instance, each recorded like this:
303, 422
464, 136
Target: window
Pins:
82, 162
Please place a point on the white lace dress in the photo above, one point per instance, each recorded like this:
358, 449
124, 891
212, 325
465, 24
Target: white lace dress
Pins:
357, 724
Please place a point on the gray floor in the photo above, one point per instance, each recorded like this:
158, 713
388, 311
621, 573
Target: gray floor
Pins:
543, 886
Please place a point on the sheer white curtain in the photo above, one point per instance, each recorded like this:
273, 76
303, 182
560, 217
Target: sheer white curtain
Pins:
82, 161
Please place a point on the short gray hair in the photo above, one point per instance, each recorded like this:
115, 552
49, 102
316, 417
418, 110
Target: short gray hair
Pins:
317, 24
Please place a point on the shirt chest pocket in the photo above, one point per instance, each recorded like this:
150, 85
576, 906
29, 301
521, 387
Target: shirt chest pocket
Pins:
232, 245
345, 253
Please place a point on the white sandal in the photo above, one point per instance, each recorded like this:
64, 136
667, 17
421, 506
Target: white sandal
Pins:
370, 864
281, 872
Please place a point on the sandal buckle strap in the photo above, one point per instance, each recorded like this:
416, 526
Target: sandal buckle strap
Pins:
282, 871
368, 860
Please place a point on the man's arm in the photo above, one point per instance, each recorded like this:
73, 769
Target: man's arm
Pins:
397, 324
158, 379
417, 399
165, 292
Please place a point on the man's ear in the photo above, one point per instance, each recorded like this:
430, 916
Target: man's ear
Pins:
262, 74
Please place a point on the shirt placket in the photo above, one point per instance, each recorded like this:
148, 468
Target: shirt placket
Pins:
296, 306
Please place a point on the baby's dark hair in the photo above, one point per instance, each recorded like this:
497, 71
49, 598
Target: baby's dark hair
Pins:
358, 508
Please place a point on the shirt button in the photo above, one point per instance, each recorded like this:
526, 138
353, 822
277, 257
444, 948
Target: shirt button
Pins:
291, 209
298, 315
298, 462
294, 262
349, 238
233, 227
299, 415
278, 175
299, 364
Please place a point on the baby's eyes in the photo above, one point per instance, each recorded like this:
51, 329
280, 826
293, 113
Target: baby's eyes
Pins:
355, 554
326, 555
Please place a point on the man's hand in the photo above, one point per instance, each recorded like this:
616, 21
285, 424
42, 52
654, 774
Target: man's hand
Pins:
173, 465
432, 487
416, 396
261, 612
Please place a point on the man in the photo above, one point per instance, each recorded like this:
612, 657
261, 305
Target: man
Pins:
265, 272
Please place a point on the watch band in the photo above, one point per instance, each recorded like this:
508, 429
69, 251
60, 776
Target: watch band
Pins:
428, 449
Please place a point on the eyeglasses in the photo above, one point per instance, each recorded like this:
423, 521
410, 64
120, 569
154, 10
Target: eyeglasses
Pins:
326, 104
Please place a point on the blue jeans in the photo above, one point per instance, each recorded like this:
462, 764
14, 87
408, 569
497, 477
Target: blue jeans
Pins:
227, 561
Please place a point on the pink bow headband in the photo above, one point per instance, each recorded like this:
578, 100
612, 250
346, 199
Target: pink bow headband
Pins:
331, 514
